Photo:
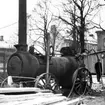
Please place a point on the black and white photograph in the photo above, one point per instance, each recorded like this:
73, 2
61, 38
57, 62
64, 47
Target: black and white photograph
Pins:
52, 52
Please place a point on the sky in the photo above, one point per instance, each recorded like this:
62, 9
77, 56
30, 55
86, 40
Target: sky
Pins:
9, 11
9, 16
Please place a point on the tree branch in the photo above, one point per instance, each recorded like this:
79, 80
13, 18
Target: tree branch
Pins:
65, 21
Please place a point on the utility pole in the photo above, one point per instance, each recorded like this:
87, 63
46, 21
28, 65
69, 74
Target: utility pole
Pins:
22, 29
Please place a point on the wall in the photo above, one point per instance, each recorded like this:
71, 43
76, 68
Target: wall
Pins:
101, 47
4, 55
91, 59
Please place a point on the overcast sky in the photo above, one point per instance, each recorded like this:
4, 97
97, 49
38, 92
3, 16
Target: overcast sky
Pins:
9, 10
9, 15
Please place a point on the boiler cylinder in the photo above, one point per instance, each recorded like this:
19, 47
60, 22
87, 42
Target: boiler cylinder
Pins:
22, 64
62, 67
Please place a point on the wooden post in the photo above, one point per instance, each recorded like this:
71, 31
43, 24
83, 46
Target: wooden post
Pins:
47, 56
4, 63
48, 52
54, 35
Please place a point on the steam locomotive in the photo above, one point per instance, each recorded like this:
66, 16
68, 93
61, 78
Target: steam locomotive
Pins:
64, 71
30, 69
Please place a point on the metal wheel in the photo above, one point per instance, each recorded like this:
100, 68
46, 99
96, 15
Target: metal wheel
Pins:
82, 81
4, 84
47, 81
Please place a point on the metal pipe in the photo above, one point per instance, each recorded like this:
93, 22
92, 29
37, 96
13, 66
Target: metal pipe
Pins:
22, 22
22, 29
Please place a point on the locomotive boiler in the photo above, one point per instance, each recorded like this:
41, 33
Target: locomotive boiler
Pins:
64, 71
30, 69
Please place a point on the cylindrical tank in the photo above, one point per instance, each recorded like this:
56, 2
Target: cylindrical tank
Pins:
62, 67
25, 64
22, 64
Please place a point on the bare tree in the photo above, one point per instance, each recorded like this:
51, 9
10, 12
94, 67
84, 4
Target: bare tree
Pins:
42, 23
79, 14
42, 18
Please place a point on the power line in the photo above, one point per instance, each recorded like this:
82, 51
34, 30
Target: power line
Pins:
8, 25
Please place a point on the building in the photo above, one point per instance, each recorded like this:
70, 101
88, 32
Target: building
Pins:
101, 47
5, 52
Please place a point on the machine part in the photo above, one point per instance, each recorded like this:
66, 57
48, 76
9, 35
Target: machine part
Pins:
22, 64
98, 69
61, 67
10, 81
25, 64
4, 83
48, 81
82, 81
29, 81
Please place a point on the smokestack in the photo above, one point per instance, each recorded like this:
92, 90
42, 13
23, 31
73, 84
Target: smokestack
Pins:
22, 29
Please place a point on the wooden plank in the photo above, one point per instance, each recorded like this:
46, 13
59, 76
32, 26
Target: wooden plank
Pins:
42, 97
37, 99
31, 99
21, 90
69, 102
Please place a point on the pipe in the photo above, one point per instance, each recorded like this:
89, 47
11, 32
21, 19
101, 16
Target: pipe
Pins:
22, 37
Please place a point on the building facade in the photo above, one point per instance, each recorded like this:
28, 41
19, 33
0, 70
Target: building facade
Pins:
101, 47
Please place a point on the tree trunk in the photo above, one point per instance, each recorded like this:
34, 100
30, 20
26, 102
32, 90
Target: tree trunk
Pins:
82, 31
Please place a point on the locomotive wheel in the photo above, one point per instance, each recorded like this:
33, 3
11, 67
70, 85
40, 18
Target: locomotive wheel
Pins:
47, 81
82, 81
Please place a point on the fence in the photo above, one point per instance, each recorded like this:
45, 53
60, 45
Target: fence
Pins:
92, 59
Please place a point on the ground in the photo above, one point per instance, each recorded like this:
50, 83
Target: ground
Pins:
96, 96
